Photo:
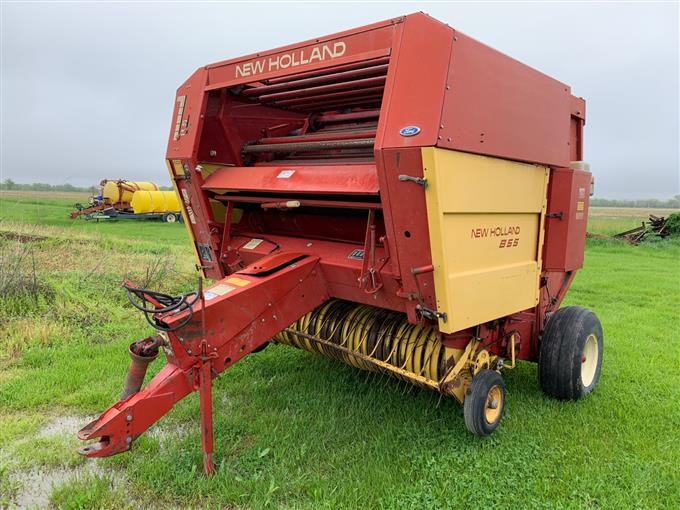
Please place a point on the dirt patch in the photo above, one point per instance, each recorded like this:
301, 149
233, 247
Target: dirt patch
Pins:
22, 238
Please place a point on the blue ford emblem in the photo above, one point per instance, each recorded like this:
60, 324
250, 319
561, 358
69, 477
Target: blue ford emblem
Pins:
409, 131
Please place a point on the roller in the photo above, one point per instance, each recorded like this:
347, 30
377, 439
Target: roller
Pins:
375, 340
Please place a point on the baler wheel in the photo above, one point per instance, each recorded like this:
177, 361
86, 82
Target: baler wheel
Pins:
570, 356
484, 402
169, 218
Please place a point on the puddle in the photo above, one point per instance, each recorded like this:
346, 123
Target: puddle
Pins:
64, 426
37, 484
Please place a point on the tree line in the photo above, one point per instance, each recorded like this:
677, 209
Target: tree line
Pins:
653, 203
9, 184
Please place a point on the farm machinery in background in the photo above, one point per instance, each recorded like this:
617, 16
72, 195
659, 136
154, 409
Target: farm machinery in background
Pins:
123, 199
399, 197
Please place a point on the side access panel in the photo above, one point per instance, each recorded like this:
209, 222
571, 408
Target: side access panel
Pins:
485, 219
565, 228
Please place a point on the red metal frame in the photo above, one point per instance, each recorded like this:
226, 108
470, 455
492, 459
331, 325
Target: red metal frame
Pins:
294, 257
226, 328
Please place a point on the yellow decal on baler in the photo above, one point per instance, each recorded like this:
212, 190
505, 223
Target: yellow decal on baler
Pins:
239, 282
178, 167
485, 219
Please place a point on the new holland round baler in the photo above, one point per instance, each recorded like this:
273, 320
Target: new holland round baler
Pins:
399, 197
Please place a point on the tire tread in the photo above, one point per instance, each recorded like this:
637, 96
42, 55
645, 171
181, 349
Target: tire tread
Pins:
559, 365
475, 402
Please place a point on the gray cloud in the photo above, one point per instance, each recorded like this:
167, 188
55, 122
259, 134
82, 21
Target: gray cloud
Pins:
88, 89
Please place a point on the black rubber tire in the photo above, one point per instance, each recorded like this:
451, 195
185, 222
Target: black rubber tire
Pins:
169, 218
561, 353
476, 398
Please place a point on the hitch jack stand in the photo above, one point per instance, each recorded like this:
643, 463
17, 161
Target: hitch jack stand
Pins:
206, 418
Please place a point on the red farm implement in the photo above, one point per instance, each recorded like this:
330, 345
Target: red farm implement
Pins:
399, 197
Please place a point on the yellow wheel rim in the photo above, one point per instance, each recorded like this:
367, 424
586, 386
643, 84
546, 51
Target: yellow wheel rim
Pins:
589, 359
494, 404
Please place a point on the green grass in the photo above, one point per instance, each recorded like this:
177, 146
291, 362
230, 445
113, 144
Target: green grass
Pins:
297, 430
88, 492
55, 212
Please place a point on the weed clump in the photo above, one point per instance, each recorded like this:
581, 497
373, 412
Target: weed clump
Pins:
673, 224
18, 274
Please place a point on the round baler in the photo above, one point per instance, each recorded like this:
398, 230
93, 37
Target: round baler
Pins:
409, 205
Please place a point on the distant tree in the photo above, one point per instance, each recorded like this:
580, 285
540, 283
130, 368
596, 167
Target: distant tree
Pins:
8, 184
40, 186
652, 203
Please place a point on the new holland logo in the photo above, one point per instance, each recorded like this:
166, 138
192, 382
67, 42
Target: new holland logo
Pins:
293, 59
409, 131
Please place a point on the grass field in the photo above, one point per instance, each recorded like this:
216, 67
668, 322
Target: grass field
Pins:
295, 430
612, 220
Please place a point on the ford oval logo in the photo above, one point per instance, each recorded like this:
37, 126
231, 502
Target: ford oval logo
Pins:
409, 131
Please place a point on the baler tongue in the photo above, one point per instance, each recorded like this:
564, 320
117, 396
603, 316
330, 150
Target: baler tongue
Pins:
228, 320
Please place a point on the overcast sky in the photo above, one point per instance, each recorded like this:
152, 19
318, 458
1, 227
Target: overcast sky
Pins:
88, 88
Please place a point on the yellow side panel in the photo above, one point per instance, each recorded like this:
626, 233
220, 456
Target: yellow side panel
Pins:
218, 209
219, 212
485, 219
209, 168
